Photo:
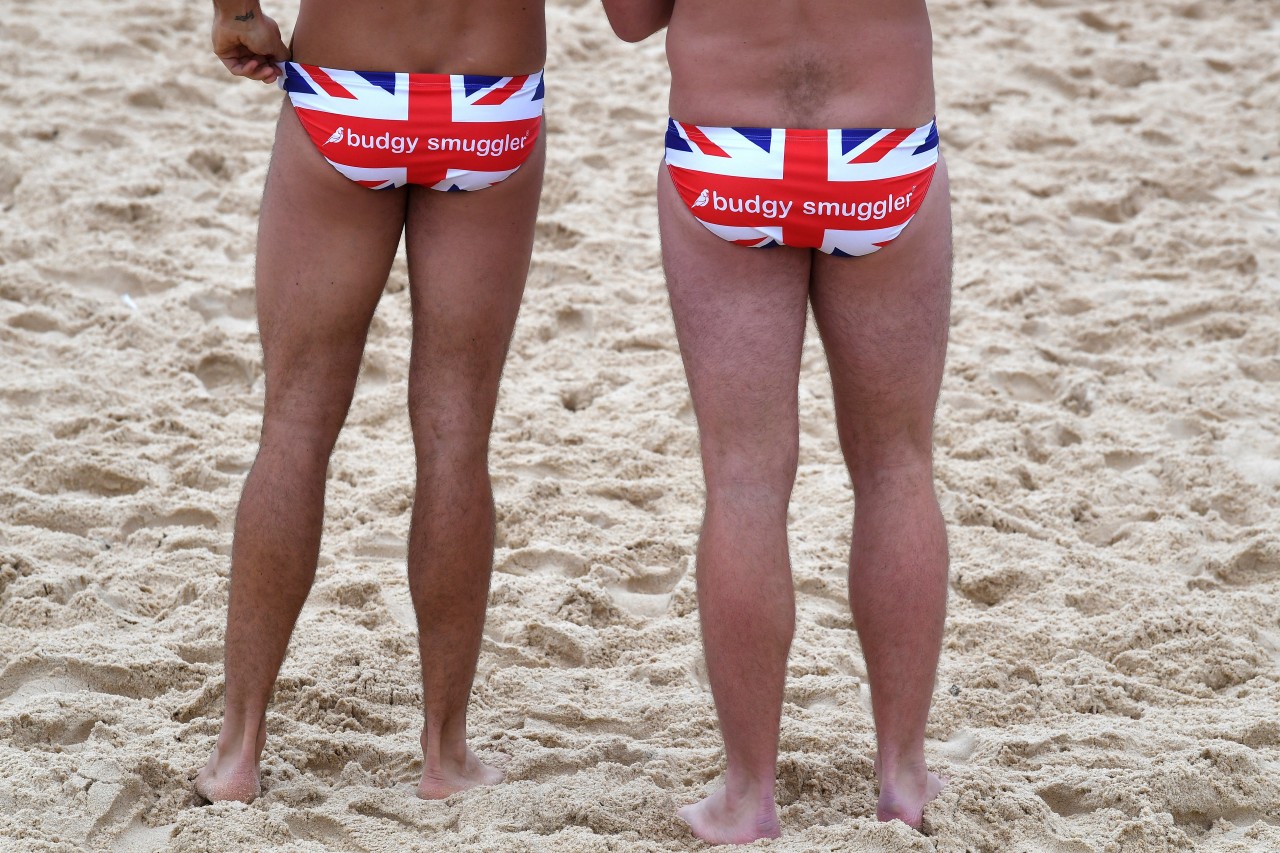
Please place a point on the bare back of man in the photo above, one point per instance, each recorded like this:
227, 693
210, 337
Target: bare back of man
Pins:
740, 317
325, 247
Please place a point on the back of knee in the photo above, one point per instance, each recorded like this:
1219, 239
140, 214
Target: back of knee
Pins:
871, 468
741, 478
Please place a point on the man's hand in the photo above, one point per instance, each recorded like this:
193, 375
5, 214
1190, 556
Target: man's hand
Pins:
247, 41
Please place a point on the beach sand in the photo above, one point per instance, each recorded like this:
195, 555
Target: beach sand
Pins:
1108, 462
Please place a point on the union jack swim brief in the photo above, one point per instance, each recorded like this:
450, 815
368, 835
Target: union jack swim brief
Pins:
846, 192
385, 129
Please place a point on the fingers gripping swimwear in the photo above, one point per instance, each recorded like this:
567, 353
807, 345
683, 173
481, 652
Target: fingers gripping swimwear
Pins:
845, 192
385, 129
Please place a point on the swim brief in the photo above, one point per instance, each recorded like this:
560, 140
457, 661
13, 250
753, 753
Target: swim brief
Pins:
845, 192
385, 129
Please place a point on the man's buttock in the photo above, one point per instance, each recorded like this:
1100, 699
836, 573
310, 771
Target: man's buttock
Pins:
385, 129
845, 192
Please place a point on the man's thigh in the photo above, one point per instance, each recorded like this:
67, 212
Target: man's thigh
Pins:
468, 260
325, 247
740, 316
884, 319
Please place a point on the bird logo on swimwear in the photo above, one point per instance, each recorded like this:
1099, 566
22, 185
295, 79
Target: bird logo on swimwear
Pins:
704, 198
385, 142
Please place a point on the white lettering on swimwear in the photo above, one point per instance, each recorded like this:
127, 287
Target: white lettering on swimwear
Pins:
779, 209
860, 210
384, 141
407, 144
769, 208
483, 147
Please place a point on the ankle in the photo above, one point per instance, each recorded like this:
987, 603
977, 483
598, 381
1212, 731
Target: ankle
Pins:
744, 791
897, 763
238, 739
444, 750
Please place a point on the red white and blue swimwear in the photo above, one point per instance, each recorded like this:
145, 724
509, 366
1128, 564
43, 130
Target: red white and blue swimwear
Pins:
845, 192
385, 129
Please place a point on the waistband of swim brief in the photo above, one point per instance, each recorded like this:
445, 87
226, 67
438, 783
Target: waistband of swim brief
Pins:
764, 134
300, 76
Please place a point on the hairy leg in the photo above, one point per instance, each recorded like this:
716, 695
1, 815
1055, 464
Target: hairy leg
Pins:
468, 260
325, 247
740, 317
883, 320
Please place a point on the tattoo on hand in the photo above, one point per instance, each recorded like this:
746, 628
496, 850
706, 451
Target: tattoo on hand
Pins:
247, 16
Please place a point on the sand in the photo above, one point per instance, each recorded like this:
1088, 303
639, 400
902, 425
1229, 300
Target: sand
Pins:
1108, 461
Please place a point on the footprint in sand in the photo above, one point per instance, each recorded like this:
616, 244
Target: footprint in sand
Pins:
1256, 563
647, 592
314, 826
1066, 800
211, 164
575, 322
557, 235
137, 837
1124, 460
989, 585
234, 310
40, 322
68, 729
382, 546
188, 517
225, 373
1024, 386
28, 678
114, 797
818, 692
105, 478
544, 561
566, 645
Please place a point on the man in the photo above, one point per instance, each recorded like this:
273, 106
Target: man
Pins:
447, 96
807, 129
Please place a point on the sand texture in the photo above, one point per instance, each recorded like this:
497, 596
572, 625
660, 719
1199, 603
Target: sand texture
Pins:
1108, 461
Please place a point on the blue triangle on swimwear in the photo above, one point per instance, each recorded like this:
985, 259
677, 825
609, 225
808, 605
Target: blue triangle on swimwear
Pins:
297, 83
541, 91
772, 244
675, 141
382, 79
931, 141
852, 137
473, 83
761, 136
454, 189
836, 253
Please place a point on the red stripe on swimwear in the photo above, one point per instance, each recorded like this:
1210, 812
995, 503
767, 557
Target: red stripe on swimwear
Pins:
331, 87
705, 145
500, 95
876, 152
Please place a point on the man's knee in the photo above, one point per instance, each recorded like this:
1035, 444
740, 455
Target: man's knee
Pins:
305, 417
874, 460
753, 474
450, 432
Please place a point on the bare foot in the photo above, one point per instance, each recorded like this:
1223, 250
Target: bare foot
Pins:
229, 777
441, 782
717, 821
904, 794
